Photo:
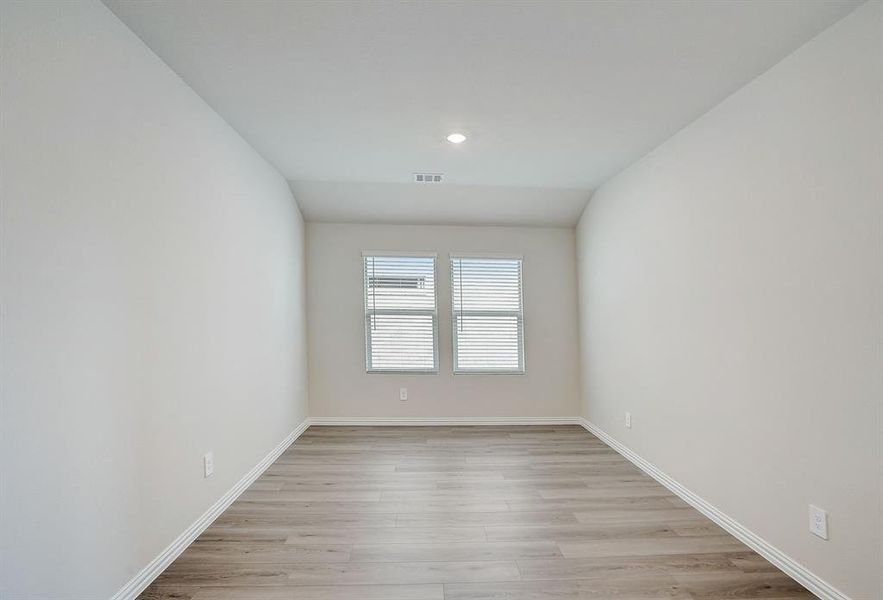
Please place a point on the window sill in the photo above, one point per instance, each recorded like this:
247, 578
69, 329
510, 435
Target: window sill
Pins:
488, 372
400, 372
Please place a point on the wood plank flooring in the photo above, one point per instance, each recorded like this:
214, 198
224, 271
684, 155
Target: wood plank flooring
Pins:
462, 513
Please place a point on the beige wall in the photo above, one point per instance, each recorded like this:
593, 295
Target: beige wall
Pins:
730, 298
152, 301
339, 386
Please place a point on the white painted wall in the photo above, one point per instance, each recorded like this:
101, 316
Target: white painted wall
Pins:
339, 385
152, 298
448, 204
730, 298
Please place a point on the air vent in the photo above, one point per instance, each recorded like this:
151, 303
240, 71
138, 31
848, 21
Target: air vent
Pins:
428, 177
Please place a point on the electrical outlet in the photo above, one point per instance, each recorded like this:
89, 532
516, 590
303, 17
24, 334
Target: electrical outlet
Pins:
208, 464
403, 394
628, 420
818, 522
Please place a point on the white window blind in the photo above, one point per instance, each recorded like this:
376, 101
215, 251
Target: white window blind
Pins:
488, 315
401, 318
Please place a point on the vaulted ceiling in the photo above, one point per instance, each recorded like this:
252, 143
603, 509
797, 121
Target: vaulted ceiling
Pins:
552, 95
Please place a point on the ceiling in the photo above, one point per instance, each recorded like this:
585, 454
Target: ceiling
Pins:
557, 95
440, 204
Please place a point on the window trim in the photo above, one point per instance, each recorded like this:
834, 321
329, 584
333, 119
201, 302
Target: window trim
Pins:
366, 313
521, 341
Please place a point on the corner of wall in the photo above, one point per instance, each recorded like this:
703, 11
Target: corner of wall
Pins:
581, 318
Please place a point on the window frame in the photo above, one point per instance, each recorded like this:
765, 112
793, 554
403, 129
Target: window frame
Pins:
519, 315
367, 313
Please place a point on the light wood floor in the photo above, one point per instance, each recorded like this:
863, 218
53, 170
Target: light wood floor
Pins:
462, 513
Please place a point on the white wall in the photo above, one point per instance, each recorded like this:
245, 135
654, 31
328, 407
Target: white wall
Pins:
152, 298
339, 385
730, 298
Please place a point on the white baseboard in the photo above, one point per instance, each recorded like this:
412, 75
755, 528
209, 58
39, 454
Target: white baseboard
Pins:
791, 567
138, 583
441, 421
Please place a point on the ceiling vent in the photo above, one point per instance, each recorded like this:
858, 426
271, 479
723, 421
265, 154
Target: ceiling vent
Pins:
429, 177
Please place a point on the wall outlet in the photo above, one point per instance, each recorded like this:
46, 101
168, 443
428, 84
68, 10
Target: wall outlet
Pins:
208, 464
818, 522
628, 420
403, 394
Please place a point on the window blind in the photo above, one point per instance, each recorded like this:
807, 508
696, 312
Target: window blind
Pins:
488, 315
401, 317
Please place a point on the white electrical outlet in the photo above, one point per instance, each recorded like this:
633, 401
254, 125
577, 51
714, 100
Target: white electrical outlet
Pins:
208, 464
818, 522
403, 394
628, 420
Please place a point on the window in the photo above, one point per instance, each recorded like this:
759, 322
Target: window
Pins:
401, 319
488, 315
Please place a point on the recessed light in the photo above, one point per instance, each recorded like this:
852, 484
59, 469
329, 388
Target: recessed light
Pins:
456, 138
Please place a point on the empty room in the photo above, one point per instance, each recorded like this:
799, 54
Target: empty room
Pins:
441, 300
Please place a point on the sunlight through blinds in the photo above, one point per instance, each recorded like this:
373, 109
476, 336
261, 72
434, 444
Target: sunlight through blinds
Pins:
401, 318
488, 315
